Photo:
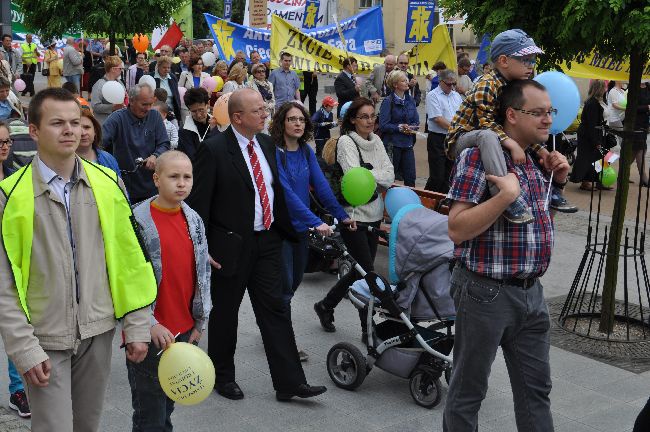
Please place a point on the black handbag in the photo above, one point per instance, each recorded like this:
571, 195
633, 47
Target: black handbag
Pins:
46, 71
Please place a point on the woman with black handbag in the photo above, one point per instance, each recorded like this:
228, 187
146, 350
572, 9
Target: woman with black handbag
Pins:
592, 142
52, 66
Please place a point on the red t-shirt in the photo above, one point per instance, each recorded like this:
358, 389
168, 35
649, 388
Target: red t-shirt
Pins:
176, 290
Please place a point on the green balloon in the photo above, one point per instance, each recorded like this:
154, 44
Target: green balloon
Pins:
608, 177
357, 186
623, 102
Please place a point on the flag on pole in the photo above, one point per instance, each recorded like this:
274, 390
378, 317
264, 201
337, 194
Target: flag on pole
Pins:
171, 37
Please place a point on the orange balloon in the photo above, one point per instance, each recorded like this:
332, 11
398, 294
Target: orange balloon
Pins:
220, 110
140, 42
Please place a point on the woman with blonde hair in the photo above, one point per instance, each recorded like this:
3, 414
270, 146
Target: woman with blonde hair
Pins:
236, 79
220, 70
102, 108
264, 87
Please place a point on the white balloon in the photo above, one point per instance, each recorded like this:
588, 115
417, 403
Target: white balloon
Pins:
148, 80
215, 49
208, 59
113, 92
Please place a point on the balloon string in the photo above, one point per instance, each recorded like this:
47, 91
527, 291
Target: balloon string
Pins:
160, 352
550, 184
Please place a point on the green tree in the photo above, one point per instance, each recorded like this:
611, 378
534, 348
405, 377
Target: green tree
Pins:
199, 7
52, 18
566, 29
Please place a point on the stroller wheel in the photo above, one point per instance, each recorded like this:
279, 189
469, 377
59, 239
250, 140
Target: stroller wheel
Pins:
346, 366
345, 267
425, 387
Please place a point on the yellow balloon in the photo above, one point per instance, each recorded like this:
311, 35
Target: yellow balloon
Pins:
176, 60
219, 82
186, 373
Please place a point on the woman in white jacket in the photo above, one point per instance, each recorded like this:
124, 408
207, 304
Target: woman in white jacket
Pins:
192, 78
358, 146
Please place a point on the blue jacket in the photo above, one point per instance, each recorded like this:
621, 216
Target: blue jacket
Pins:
319, 117
106, 159
298, 170
393, 113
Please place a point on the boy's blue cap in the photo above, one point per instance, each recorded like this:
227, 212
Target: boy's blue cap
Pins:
515, 43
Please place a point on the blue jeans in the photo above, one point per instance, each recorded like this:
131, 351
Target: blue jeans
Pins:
152, 409
76, 79
490, 314
404, 162
15, 383
294, 262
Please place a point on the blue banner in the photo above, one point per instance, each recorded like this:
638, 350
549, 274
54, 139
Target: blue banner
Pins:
419, 21
364, 35
483, 51
227, 9
311, 14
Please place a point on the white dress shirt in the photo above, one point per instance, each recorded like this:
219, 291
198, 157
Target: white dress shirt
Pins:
443, 105
258, 223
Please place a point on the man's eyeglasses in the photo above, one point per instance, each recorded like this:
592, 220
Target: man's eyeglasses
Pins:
8, 142
259, 112
538, 113
198, 111
300, 120
527, 61
452, 84
367, 117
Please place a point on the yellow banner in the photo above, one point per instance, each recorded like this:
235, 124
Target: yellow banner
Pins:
312, 55
596, 66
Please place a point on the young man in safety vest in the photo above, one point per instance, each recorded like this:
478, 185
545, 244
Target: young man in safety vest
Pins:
71, 265
30, 59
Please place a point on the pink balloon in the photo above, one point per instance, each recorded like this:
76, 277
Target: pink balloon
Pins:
181, 91
20, 85
209, 84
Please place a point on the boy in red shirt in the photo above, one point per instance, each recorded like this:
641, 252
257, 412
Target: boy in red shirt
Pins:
174, 237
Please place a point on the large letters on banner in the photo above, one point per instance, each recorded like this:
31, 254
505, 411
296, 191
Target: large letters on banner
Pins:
364, 34
596, 66
291, 10
419, 21
310, 54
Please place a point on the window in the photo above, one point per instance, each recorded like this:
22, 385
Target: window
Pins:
369, 3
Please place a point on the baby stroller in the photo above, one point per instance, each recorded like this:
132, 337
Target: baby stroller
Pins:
406, 343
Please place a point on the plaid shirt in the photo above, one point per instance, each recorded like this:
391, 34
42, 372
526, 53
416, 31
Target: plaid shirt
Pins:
504, 250
478, 111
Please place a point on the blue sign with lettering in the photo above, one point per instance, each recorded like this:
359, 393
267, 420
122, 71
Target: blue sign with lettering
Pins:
419, 21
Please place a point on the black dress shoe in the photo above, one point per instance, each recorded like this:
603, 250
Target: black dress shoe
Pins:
303, 391
326, 317
229, 390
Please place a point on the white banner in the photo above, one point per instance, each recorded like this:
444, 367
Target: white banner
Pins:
291, 11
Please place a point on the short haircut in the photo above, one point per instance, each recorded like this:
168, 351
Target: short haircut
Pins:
97, 142
464, 62
52, 93
348, 61
194, 60
162, 60
162, 106
395, 76
258, 66
134, 92
284, 54
438, 66
196, 95
445, 74
7, 36
168, 156
512, 96
160, 94
111, 61
71, 87
4, 82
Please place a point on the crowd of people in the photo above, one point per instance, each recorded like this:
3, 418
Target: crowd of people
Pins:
175, 260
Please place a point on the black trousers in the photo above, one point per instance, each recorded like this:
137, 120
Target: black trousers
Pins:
28, 76
260, 271
439, 165
311, 90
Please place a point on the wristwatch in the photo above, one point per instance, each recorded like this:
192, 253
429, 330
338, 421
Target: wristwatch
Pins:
560, 185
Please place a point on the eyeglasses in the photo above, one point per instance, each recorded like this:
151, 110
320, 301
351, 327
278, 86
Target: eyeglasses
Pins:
198, 111
300, 120
527, 61
367, 117
538, 113
8, 142
260, 71
453, 84
259, 112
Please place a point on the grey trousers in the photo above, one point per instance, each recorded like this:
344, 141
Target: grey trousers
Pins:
492, 314
74, 397
489, 144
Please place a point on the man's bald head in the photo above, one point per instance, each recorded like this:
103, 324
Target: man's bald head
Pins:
168, 156
247, 112
240, 99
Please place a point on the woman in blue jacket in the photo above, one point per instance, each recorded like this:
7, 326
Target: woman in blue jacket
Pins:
299, 171
398, 121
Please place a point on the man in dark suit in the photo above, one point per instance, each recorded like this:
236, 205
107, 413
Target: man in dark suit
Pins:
238, 194
345, 85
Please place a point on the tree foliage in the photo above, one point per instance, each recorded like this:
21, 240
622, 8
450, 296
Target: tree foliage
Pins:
566, 30
53, 18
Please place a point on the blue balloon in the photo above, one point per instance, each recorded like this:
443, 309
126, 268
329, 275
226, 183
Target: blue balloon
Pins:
398, 197
344, 109
565, 97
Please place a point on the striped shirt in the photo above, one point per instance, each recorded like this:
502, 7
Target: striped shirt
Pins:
504, 250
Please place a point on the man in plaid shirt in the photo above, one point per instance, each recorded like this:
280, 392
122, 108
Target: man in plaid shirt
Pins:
498, 296
513, 54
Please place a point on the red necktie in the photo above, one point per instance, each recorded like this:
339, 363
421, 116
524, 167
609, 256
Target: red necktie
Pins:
261, 186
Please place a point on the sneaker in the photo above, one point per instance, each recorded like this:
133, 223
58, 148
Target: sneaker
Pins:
518, 218
303, 356
326, 317
560, 204
18, 402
